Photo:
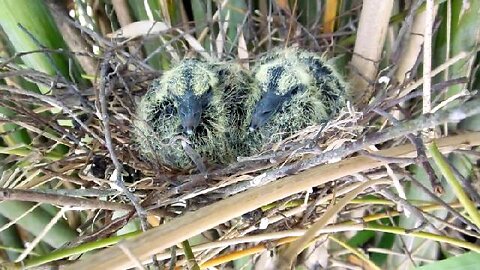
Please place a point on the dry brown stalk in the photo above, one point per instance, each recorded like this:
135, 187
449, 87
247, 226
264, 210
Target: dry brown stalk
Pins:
72, 36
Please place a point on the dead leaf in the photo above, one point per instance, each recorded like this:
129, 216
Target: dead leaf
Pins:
283, 4
140, 28
242, 49
195, 44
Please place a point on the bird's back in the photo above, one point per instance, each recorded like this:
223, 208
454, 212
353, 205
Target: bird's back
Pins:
327, 80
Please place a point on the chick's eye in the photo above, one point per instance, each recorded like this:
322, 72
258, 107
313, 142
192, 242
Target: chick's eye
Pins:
294, 91
169, 110
265, 113
207, 97
209, 92
182, 112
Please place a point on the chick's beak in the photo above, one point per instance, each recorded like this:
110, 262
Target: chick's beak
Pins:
189, 131
190, 113
190, 121
265, 109
260, 117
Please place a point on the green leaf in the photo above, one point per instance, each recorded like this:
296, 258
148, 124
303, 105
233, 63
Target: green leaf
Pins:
10, 240
236, 10
139, 14
200, 15
36, 19
36, 221
307, 10
465, 261
463, 37
361, 238
386, 242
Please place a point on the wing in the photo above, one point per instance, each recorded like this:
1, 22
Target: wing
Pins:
328, 82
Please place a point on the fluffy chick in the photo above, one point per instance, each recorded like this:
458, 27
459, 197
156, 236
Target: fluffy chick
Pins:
194, 103
293, 89
236, 85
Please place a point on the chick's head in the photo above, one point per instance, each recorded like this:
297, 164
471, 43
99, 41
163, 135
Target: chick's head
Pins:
183, 106
292, 89
190, 85
279, 81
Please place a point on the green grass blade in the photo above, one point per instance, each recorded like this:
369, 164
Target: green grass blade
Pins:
236, 9
35, 18
35, 221
10, 239
467, 261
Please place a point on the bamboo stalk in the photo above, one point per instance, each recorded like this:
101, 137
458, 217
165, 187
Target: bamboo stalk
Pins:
371, 34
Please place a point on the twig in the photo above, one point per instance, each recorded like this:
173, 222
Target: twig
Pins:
84, 192
15, 221
136, 261
106, 231
447, 172
467, 185
33, 127
193, 223
473, 153
412, 209
353, 249
43, 50
173, 257
73, 88
104, 43
56, 103
447, 223
194, 157
427, 58
418, 93
436, 71
41, 197
192, 263
400, 41
421, 155
104, 83
71, 35
287, 256
387, 159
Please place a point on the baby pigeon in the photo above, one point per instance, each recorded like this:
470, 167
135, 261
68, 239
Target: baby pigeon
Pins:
293, 89
190, 114
236, 85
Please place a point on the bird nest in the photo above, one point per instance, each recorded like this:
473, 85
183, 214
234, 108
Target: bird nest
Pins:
102, 148
164, 186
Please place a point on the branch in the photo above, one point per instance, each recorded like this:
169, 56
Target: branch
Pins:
55, 103
7, 194
105, 83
